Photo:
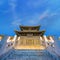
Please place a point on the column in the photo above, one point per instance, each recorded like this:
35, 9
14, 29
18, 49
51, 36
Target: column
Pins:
18, 40
52, 41
33, 42
46, 40
8, 40
15, 37
41, 40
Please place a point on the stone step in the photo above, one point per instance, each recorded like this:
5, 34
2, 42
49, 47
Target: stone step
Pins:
28, 55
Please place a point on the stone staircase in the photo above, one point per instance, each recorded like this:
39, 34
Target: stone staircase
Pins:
28, 55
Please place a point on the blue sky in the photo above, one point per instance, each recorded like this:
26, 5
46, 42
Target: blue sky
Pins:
30, 12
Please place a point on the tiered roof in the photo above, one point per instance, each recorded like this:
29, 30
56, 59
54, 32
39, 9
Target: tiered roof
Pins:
30, 30
29, 27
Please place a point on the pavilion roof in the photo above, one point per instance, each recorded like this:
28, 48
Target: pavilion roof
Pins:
22, 27
20, 32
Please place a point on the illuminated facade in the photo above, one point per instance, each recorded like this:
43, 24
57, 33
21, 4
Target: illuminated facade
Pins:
29, 38
29, 43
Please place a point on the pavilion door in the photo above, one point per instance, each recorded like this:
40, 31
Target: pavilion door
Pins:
30, 42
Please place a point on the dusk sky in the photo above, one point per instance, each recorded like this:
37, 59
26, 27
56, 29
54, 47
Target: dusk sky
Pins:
31, 13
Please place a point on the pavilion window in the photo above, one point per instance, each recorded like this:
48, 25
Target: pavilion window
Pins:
30, 34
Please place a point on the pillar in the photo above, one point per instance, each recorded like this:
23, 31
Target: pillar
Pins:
15, 37
46, 40
41, 40
52, 41
8, 40
18, 43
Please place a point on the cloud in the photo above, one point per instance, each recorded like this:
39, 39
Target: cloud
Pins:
42, 18
16, 19
44, 14
36, 3
16, 23
1, 3
5, 11
12, 3
47, 14
37, 18
54, 14
33, 22
56, 25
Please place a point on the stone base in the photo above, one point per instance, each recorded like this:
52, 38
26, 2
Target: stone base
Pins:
30, 47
